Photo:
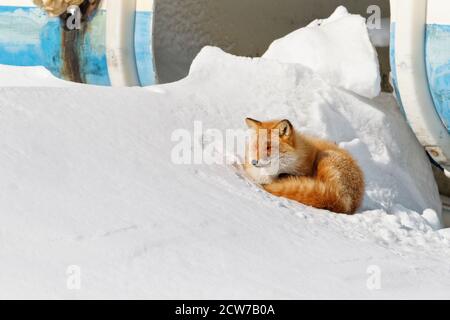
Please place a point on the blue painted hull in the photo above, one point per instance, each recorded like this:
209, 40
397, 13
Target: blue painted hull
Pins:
437, 60
28, 37
437, 52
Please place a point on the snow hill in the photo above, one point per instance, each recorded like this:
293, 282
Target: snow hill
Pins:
87, 180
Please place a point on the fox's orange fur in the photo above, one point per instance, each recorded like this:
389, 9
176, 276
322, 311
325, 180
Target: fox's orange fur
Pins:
310, 170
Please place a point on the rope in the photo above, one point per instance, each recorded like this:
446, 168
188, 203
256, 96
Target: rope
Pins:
55, 8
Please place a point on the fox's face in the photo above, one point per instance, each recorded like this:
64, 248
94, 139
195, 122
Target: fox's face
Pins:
270, 149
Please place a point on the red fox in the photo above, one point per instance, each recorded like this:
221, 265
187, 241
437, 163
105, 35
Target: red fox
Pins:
312, 171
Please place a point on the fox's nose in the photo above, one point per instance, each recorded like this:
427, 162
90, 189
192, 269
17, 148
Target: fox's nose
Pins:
255, 162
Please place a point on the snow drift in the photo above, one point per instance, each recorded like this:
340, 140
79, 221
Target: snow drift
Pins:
337, 48
396, 167
88, 180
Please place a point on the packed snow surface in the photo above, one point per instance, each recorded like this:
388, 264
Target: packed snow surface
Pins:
88, 183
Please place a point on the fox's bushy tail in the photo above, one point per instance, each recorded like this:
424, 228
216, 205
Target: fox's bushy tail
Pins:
312, 192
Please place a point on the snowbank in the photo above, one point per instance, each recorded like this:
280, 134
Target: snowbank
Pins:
30, 77
87, 180
338, 48
396, 168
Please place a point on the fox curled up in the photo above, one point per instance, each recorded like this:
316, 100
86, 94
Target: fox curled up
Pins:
309, 170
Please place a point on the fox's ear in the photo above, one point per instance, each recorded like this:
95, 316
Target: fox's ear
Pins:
252, 123
285, 128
